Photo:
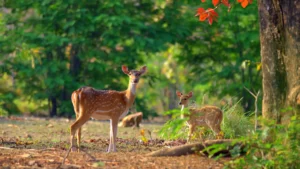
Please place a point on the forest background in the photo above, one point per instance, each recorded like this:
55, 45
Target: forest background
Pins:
50, 48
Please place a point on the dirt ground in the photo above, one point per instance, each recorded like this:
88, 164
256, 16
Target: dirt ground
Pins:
43, 143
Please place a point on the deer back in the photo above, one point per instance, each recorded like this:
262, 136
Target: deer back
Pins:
205, 116
101, 102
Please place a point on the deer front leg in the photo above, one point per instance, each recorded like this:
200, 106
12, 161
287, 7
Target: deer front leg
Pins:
113, 135
191, 130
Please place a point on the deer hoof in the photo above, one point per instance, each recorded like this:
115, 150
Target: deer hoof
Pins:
74, 149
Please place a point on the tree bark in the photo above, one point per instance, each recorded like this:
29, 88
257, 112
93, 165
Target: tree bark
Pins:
280, 57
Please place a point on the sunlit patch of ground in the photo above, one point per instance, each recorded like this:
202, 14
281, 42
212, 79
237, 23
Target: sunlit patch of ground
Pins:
42, 143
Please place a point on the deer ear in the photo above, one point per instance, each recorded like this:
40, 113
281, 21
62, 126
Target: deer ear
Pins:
143, 69
190, 94
125, 69
178, 93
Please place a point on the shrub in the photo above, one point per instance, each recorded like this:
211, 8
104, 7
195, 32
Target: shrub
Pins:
235, 123
274, 146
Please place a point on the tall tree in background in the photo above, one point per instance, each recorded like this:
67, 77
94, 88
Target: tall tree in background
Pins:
280, 52
55, 47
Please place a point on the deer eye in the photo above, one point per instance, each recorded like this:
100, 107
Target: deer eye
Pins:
184, 99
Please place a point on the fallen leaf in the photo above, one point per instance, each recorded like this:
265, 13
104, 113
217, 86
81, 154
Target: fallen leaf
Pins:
31, 162
25, 155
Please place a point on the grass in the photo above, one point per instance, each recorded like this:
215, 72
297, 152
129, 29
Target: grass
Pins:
55, 132
235, 123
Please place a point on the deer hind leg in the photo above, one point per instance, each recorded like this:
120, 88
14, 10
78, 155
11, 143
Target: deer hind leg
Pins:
78, 137
78, 133
76, 126
191, 131
113, 135
217, 131
220, 133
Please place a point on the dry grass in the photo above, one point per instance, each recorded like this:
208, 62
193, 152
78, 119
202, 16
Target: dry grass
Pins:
42, 143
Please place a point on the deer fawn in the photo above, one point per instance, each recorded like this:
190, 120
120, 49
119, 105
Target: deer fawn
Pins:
104, 104
207, 116
132, 120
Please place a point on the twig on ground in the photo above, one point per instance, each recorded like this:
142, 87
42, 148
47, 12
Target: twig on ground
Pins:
88, 154
63, 162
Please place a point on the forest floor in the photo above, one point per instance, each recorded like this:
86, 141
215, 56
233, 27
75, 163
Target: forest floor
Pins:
43, 143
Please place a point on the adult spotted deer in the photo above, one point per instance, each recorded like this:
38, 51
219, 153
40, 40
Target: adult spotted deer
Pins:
207, 116
104, 104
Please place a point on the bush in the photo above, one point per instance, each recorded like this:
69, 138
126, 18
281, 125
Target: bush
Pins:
235, 123
274, 146
175, 128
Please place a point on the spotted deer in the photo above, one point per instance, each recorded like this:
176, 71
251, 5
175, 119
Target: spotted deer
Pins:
206, 116
103, 105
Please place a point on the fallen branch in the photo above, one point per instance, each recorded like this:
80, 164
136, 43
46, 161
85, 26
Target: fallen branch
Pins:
196, 148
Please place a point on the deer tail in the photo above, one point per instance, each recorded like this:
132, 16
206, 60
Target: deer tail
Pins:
75, 100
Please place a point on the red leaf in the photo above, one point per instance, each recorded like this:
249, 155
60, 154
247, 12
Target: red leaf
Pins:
203, 16
202, 0
200, 11
226, 3
244, 3
210, 20
212, 12
215, 2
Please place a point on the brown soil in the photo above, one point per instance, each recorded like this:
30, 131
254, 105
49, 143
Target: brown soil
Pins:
52, 158
24, 144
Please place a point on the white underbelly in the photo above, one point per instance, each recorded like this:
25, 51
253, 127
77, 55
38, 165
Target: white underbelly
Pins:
100, 117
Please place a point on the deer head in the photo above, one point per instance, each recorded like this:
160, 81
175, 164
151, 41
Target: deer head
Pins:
184, 98
134, 75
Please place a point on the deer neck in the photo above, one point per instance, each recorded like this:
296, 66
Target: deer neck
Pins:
182, 108
130, 93
182, 111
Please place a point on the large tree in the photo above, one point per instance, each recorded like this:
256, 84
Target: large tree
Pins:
280, 56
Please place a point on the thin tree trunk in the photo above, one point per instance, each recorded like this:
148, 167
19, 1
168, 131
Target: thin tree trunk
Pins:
74, 61
280, 45
53, 107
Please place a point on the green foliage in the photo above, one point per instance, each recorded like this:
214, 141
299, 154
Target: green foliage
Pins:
272, 146
275, 146
174, 128
53, 47
235, 123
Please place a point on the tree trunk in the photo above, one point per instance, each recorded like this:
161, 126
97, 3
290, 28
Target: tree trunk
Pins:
53, 107
74, 61
279, 36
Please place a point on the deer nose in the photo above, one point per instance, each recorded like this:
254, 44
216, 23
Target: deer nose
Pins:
136, 80
179, 103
